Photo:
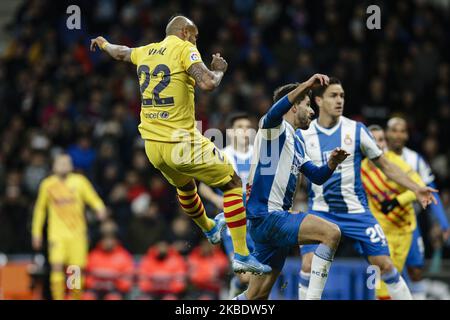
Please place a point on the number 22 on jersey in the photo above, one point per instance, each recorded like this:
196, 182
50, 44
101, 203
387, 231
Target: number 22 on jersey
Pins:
145, 74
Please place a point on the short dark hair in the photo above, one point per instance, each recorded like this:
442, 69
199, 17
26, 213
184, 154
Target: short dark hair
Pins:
236, 116
319, 90
375, 127
280, 92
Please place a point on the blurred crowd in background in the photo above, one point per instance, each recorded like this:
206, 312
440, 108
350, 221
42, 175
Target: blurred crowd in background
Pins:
55, 95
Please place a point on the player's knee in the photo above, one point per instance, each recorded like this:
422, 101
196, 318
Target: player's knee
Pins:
332, 235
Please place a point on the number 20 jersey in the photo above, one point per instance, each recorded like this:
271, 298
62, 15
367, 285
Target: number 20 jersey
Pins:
167, 90
343, 192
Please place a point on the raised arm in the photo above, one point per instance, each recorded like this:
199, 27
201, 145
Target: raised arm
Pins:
207, 79
274, 116
424, 194
403, 198
122, 53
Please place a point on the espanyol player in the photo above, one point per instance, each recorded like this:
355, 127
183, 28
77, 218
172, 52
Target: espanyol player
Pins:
239, 153
278, 159
342, 199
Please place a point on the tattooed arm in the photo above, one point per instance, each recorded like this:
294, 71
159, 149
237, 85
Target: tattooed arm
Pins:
209, 79
122, 53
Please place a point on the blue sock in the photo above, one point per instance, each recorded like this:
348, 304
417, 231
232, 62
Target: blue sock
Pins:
391, 277
325, 252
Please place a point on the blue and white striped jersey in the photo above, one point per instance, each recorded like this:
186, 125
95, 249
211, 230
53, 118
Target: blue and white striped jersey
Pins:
416, 161
344, 191
276, 163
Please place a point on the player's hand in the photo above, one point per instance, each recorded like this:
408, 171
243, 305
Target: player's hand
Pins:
389, 205
425, 196
99, 41
36, 243
102, 214
218, 63
337, 157
318, 80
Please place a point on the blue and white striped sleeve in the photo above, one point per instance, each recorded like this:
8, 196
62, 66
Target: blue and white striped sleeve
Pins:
274, 117
368, 145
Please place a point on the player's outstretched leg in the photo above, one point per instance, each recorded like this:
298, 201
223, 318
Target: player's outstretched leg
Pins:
315, 229
192, 205
235, 218
398, 290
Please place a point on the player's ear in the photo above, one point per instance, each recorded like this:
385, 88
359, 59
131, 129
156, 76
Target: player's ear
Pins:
184, 32
294, 108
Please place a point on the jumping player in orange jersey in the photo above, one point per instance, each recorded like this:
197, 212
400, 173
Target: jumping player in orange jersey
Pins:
167, 72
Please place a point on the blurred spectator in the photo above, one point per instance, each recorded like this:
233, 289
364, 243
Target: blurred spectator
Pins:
37, 170
14, 217
83, 154
207, 268
183, 234
162, 273
147, 229
109, 270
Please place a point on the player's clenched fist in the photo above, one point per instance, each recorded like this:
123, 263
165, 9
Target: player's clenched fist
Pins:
99, 42
337, 157
218, 63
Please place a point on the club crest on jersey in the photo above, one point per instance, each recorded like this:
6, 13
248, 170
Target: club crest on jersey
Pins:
347, 140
